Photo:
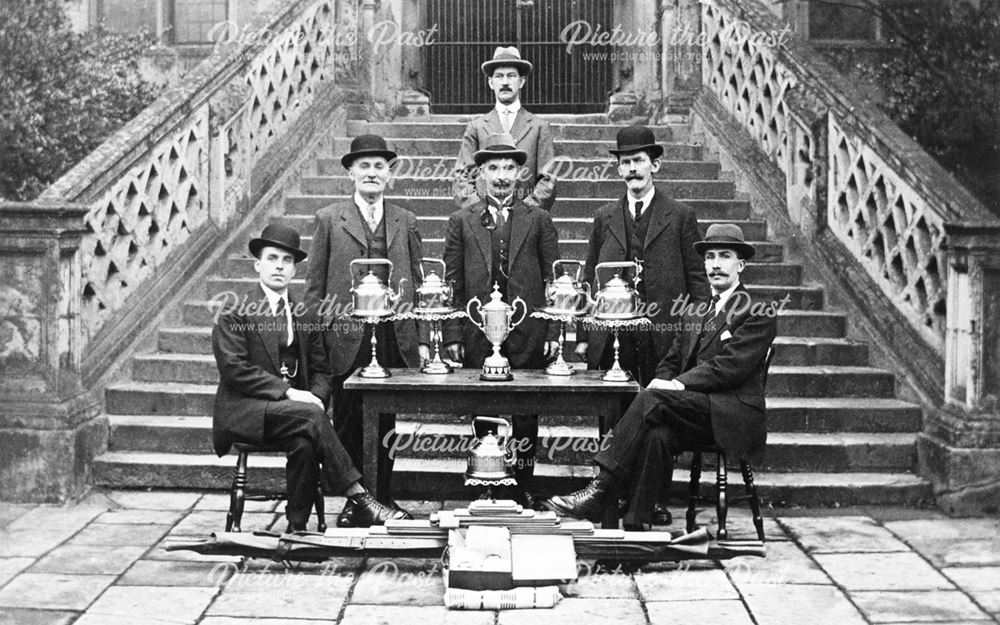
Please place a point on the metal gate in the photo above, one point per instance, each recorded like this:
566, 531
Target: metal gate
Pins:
469, 31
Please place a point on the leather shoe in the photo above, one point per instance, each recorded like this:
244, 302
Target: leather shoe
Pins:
586, 503
368, 511
406, 514
295, 527
661, 515
346, 516
526, 499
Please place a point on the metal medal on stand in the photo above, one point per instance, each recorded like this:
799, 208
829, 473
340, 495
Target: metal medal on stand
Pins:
490, 462
565, 299
373, 302
434, 304
496, 324
617, 306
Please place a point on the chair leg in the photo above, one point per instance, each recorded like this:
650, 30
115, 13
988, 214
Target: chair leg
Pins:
320, 510
694, 486
721, 509
237, 495
751, 488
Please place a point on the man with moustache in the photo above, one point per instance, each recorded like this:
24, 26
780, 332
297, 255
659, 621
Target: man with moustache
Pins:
273, 375
365, 226
506, 74
501, 241
708, 389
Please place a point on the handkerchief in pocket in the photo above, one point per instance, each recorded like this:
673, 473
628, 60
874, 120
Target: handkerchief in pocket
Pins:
726, 335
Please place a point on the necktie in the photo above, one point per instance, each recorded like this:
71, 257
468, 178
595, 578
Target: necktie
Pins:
281, 326
508, 120
638, 211
370, 212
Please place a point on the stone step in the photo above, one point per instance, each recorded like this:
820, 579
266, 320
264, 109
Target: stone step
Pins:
443, 479
568, 171
699, 189
574, 445
582, 208
432, 128
565, 148
162, 398
842, 414
818, 323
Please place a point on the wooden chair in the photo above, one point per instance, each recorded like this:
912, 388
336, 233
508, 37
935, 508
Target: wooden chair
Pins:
721, 482
238, 495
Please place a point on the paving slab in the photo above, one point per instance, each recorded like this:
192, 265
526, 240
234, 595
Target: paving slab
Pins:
177, 604
9, 567
89, 559
974, 577
19, 616
773, 604
729, 612
155, 500
120, 534
141, 516
53, 591
177, 573
11, 511
684, 583
202, 524
919, 607
937, 529
55, 518
609, 585
401, 581
228, 620
381, 614
841, 535
785, 564
988, 600
960, 552
883, 571
31, 543
220, 501
282, 596
578, 612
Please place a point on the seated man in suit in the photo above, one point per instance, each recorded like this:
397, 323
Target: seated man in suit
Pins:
709, 388
272, 373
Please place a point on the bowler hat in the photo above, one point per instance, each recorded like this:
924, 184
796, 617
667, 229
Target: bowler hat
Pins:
367, 145
276, 235
728, 236
500, 146
506, 57
635, 138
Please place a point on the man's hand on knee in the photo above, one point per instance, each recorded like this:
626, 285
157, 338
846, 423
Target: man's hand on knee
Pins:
665, 385
306, 397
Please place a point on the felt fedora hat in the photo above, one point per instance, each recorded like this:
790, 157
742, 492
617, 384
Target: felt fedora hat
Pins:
500, 146
506, 57
367, 145
728, 236
276, 235
635, 138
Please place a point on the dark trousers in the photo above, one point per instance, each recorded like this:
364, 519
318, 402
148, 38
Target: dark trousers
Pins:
636, 354
348, 408
640, 448
312, 449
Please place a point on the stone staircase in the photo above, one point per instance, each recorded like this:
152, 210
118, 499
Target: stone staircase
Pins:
838, 435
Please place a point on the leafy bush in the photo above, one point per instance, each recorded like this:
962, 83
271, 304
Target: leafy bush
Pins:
61, 93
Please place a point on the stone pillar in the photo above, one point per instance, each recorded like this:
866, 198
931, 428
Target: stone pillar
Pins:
680, 52
50, 428
960, 446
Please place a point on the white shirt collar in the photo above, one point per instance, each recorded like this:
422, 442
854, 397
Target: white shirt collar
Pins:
363, 206
724, 297
514, 107
646, 200
273, 297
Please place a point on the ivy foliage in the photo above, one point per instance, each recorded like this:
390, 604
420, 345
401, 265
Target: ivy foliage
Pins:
61, 93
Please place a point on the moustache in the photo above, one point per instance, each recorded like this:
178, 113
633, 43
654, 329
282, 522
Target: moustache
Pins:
633, 177
721, 274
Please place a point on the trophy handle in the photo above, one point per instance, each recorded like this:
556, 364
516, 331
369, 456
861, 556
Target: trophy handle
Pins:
567, 261
611, 265
372, 261
468, 312
524, 313
496, 421
433, 261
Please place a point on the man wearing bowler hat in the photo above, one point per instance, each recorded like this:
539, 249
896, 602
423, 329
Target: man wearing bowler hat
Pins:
273, 376
365, 226
708, 389
501, 241
506, 74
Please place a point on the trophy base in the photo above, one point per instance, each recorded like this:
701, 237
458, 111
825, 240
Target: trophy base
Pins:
617, 375
559, 368
436, 368
489, 376
374, 372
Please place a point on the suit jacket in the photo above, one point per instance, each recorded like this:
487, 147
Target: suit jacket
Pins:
468, 254
730, 368
339, 238
672, 268
537, 186
248, 360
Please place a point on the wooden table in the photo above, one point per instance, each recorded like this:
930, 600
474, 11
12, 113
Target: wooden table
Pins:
462, 392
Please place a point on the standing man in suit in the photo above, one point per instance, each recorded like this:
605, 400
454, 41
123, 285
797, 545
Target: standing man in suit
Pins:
649, 226
506, 74
273, 375
708, 389
501, 241
365, 226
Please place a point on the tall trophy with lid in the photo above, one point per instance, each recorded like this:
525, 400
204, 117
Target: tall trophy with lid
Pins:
373, 302
434, 303
496, 322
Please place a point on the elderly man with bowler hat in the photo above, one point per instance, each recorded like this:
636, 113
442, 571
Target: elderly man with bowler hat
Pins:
500, 241
506, 74
273, 376
365, 226
708, 389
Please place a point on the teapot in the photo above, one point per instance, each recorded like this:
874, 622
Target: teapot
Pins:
617, 299
434, 294
564, 294
488, 459
370, 296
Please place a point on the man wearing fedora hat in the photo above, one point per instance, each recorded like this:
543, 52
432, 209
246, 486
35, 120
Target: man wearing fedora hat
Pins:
709, 388
649, 226
273, 376
365, 226
501, 241
506, 74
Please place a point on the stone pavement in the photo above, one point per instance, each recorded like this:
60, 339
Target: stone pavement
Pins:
102, 562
